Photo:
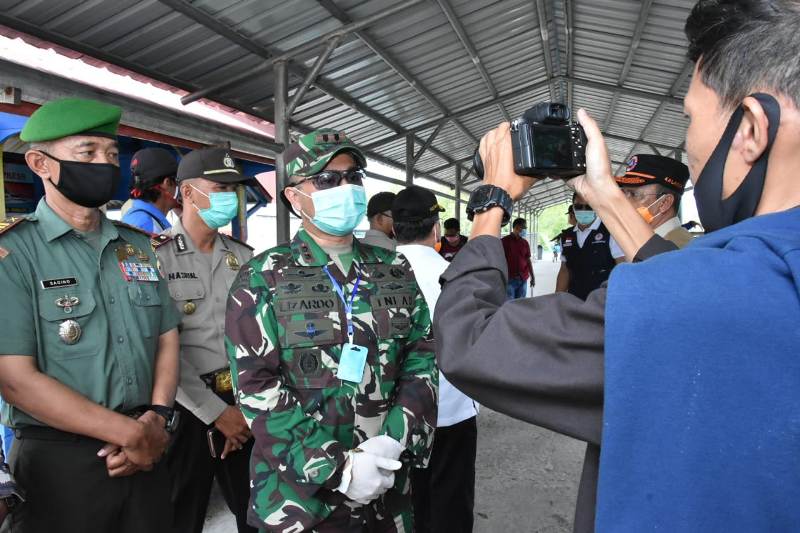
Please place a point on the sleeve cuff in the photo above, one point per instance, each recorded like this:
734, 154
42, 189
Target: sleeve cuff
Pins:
208, 409
655, 246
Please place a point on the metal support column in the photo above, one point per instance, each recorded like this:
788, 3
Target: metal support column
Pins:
409, 159
281, 136
458, 193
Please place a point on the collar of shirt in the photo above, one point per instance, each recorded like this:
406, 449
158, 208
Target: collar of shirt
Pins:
581, 234
152, 210
378, 238
220, 248
668, 226
54, 226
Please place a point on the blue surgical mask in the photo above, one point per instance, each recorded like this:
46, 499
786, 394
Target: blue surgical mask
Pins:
223, 207
523, 234
585, 216
338, 210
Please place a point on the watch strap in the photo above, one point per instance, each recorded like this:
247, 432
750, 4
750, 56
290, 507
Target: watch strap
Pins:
495, 197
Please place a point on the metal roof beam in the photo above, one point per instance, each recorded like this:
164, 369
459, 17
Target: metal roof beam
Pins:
445, 167
312, 75
472, 108
458, 27
544, 36
569, 28
337, 12
636, 39
464, 111
349, 28
269, 53
687, 69
429, 141
647, 95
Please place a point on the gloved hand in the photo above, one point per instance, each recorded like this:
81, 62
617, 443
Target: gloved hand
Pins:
366, 476
383, 445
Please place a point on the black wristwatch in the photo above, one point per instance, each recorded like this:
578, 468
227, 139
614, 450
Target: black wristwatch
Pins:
170, 416
486, 197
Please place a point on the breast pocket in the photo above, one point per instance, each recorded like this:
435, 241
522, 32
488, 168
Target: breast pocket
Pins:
189, 296
146, 306
69, 331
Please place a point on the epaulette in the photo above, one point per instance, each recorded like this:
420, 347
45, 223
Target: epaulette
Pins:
134, 228
157, 241
11, 222
234, 239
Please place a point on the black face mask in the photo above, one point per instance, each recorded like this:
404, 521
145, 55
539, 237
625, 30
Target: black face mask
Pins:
716, 213
87, 184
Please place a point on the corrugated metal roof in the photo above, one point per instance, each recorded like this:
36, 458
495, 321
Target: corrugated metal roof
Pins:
623, 60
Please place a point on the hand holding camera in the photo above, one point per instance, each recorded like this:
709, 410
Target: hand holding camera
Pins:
545, 143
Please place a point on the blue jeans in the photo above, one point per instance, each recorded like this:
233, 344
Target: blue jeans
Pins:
517, 288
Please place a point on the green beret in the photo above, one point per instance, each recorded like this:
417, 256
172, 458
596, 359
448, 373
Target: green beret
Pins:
71, 116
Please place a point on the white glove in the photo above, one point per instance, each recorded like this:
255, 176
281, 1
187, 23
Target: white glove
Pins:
384, 446
367, 476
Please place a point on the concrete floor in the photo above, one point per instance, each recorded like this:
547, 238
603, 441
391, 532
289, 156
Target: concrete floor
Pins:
526, 477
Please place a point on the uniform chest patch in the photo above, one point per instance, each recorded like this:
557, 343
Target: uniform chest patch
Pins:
392, 301
58, 283
172, 276
290, 306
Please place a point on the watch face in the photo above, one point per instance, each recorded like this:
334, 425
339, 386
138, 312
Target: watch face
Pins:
481, 195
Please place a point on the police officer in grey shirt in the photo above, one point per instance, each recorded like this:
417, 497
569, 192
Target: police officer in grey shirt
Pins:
200, 264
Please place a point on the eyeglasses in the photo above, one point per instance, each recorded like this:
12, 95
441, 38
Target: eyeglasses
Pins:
582, 207
633, 195
328, 179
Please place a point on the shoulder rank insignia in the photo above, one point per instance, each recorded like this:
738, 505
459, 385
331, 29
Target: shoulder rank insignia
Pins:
134, 228
234, 239
157, 241
9, 223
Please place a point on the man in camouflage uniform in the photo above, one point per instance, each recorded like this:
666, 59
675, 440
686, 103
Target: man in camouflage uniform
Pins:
326, 423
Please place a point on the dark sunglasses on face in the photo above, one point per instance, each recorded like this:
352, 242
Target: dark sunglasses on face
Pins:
328, 179
582, 207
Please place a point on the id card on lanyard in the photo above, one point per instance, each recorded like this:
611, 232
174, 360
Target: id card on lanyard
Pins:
354, 357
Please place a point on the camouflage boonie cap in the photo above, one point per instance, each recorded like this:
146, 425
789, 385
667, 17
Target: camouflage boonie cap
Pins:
312, 151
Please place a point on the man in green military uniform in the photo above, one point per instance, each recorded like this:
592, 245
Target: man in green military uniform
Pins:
89, 350
330, 349
200, 265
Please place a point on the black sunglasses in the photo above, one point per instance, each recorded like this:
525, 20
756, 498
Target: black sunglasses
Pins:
582, 207
328, 179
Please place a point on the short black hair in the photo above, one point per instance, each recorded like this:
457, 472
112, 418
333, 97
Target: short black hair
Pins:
452, 223
151, 194
518, 222
745, 46
413, 231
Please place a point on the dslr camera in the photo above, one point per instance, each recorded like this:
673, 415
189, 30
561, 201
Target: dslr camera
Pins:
546, 144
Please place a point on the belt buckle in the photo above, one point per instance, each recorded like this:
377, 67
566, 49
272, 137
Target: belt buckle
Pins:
223, 381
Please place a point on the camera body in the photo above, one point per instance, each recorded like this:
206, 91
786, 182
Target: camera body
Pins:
546, 144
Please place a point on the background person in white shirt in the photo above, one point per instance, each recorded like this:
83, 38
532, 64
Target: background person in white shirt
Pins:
444, 493
654, 184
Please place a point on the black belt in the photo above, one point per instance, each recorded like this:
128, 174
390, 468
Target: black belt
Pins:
48, 433
219, 381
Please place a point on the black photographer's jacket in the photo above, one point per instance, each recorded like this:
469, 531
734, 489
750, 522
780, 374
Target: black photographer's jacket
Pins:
550, 369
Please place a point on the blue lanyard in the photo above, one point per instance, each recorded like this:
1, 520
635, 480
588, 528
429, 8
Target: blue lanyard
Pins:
348, 306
